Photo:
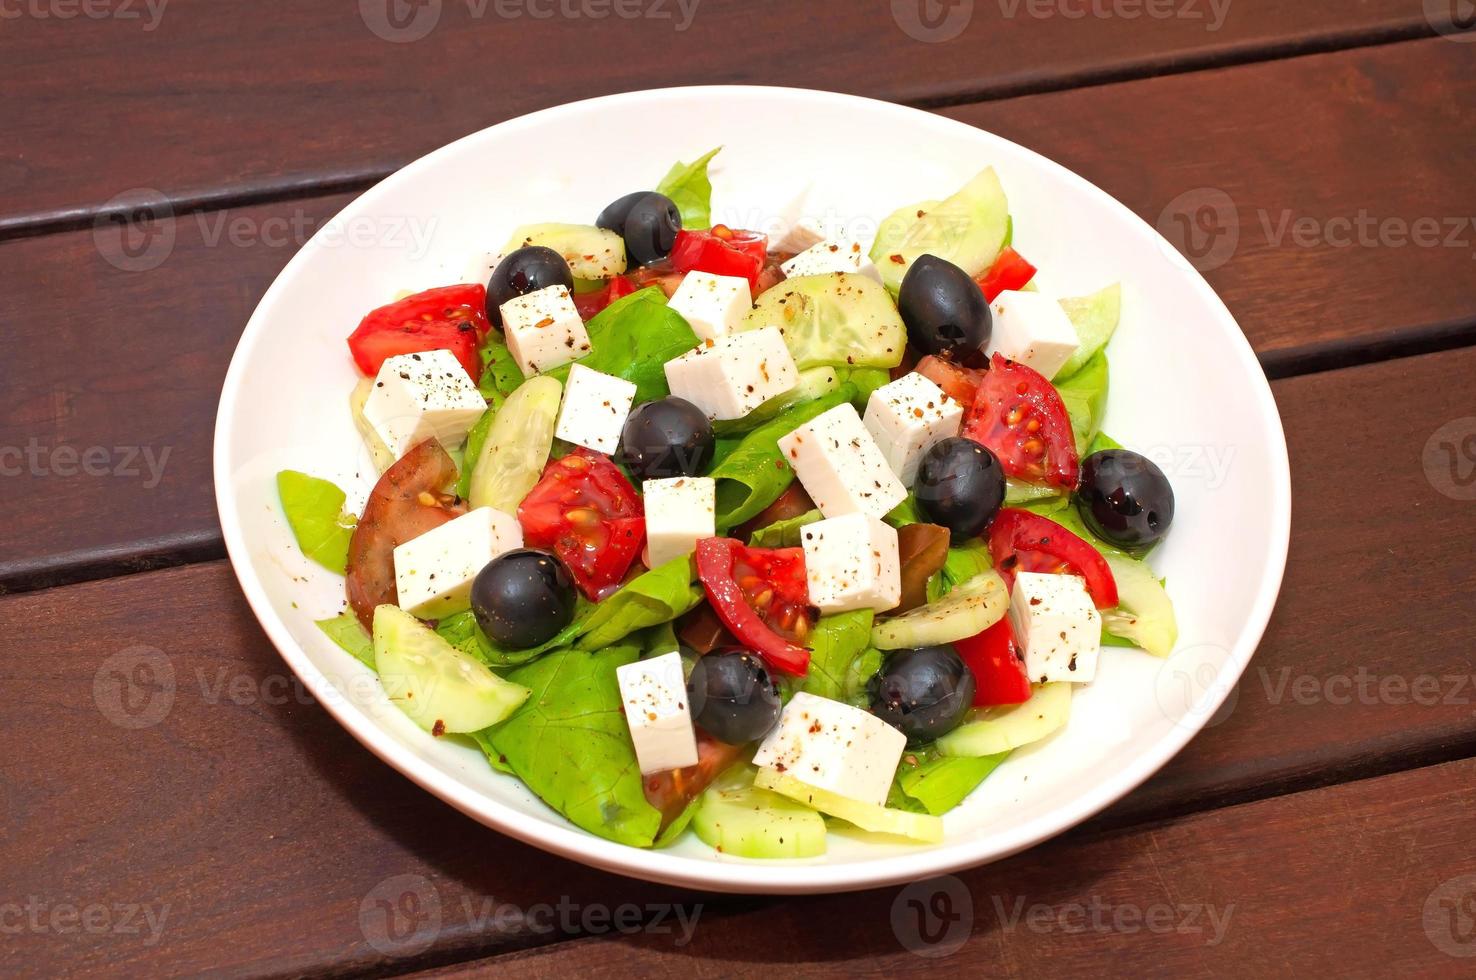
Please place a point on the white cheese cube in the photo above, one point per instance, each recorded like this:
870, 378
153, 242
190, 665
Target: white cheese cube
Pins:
833, 746
543, 330
1056, 626
712, 305
420, 396
434, 572
831, 255
840, 465
851, 563
729, 377
594, 409
907, 418
1033, 329
654, 693
680, 511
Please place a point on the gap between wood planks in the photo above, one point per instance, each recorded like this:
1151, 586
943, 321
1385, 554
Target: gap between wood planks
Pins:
358, 180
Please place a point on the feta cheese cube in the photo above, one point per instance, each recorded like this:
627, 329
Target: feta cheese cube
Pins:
1056, 626
680, 511
907, 418
594, 409
654, 693
1033, 329
840, 465
731, 376
434, 572
543, 330
830, 255
851, 563
420, 396
712, 305
833, 746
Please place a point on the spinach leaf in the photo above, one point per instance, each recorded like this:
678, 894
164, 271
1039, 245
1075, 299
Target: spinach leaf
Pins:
837, 641
633, 338
346, 630
569, 744
690, 189
753, 472
785, 533
657, 597
314, 510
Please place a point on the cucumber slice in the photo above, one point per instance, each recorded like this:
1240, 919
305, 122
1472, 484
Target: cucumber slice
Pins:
592, 253
517, 445
993, 730
868, 816
1095, 318
378, 451
968, 610
757, 823
1144, 613
968, 229
842, 320
439, 687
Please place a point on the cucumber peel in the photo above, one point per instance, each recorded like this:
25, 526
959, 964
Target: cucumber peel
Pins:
868, 816
994, 730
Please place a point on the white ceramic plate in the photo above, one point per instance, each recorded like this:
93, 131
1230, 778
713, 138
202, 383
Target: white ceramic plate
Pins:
1186, 389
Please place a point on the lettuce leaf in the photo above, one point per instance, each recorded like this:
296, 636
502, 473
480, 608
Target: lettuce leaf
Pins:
314, 510
785, 533
346, 630
690, 189
657, 597
462, 631
837, 641
633, 338
1085, 396
500, 373
927, 782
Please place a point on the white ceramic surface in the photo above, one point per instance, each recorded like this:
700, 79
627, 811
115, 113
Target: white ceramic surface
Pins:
1185, 387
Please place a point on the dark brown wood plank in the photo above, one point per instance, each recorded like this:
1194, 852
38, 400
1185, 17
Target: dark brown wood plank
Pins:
157, 387
207, 97
264, 827
1368, 879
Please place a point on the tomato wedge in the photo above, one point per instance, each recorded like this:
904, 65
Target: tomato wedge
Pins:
1018, 415
408, 500
1009, 271
761, 596
585, 511
658, 274
722, 251
1020, 541
673, 790
958, 383
452, 318
588, 304
998, 668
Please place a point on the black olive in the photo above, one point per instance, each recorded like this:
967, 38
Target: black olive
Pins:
924, 692
960, 485
522, 271
945, 311
651, 226
523, 598
1124, 498
666, 438
733, 698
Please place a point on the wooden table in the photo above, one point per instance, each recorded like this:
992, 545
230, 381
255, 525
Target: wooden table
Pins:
1323, 149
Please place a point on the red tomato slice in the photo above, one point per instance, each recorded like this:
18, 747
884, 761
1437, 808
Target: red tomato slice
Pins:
671, 791
452, 318
1020, 541
407, 501
761, 596
998, 669
588, 304
585, 511
958, 383
722, 251
1010, 271
1018, 415
657, 274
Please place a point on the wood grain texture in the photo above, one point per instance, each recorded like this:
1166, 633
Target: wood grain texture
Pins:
268, 831
217, 94
158, 389
1368, 879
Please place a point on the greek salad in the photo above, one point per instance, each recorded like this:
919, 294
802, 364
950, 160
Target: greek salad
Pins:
692, 527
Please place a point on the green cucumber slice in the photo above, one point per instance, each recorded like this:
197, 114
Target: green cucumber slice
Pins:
517, 445
1144, 613
758, 823
868, 816
968, 229
441, 689
1095, 318
592, 253
968, 610
843, 320
989, 731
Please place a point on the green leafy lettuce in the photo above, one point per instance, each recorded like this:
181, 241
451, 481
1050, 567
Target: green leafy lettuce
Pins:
1085, 396
964, 562
690, 189
927, 782
314, 510
500, 373
462, 631
633, 338
657, 597
837, 642
785, 533
346, 630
